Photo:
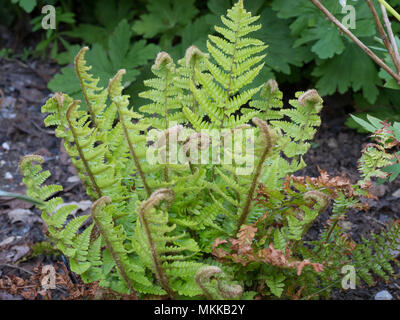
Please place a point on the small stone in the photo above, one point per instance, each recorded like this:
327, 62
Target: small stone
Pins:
383, 295
378, 190
332, 143
73, 179
7, 109
31, 95
2, 163
396, 194
8, 176
5, 146
384, 218
343, 137
82, 205
346, 225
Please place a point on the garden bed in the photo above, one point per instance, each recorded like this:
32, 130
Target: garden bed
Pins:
336, 149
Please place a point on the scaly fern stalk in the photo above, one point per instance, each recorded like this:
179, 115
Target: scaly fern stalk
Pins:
95, 101
163, 251
125, 116
106, 229
268, 141
154, 200
72, 108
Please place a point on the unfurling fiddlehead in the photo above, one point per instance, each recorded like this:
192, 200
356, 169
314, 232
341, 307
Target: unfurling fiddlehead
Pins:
144, 212
227, 291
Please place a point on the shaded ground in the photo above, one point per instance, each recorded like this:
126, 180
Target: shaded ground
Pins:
22, 132
337, 150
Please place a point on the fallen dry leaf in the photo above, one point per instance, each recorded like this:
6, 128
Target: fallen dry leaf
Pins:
20, 251
7, 241
23, 215
81, 205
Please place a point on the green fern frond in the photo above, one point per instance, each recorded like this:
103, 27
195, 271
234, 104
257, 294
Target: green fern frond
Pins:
304, 120
95, 97
154, 244
235, 65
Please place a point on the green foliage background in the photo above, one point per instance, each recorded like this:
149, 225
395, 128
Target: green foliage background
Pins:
305, 48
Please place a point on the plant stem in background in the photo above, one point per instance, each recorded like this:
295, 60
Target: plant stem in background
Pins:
391, 35
384, 36
356, 40
107, 233
390, 9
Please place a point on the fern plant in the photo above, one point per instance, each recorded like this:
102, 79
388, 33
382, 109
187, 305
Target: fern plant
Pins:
162, 211
381, 159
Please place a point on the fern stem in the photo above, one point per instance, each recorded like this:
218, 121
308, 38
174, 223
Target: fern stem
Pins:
195, 104
155, 198
136, 160
331, 229
228, 90
166, 176
132, 150
83, 87
71, 107
268, 144
321, 203
249, 199
105, 232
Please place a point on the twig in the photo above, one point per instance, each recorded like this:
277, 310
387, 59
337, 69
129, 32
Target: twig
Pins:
376, 220
356, 40
384, 36
50, 132
16, 267
391, 36
1, 97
